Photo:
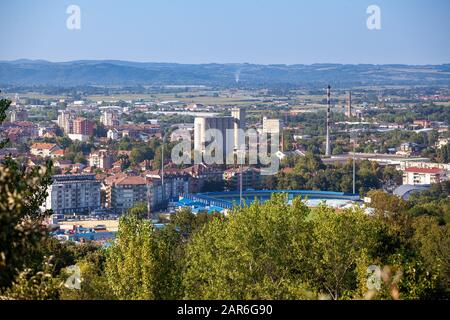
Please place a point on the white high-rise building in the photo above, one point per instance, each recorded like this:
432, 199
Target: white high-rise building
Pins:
113, 134
66, 122
235, 124
272, 126
222, 124
109, 119
62, 119
238, 114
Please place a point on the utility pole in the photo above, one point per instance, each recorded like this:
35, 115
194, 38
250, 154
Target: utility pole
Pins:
240, 191
354, 168
162, 169
239, 155
353, 141
149, 216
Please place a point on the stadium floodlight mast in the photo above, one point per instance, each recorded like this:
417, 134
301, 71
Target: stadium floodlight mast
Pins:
163, 193
354, 168
353, 141
240, 158
164, 135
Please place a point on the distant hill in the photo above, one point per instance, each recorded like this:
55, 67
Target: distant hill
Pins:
111, 72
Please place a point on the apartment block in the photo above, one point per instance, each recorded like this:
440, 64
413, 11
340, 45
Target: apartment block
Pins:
73, 194
124, 192
423, 176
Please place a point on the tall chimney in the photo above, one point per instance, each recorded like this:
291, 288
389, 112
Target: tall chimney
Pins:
349, 105
328, 145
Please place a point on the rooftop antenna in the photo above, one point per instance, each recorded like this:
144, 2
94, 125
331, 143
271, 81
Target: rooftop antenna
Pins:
328, 146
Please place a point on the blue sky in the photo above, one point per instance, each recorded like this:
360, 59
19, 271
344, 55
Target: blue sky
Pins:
225, 31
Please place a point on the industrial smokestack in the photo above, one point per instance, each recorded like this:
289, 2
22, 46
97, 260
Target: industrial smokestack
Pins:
349, 105
328, 144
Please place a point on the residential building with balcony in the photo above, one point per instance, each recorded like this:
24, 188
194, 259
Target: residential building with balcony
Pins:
73, 194
423, 176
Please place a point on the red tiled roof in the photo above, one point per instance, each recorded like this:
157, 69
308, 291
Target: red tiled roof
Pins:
48, 146
58, 152
101, 176
288, 170
424, 170
238, 170
131, 181
111, 179
167, 172
11, 131
63, 162
25, 124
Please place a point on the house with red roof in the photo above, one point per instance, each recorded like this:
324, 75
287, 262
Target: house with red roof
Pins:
46, 150
58, 153
423, 176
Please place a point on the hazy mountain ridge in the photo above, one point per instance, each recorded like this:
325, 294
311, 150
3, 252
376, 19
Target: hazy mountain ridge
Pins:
115, 72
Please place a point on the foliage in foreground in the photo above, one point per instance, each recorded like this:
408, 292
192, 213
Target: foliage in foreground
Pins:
265, 251
22, 192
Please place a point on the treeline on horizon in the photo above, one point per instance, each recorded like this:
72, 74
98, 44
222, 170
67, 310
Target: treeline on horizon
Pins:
75, 73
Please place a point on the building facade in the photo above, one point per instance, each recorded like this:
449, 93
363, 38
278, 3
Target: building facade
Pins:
176, 183
44, 150
238, 114
101, 159
124, 192
251, 178
83, 126
19, 115
423, 176
272, 126
113, 134
222, 125
73, 194
109, 119
65, 121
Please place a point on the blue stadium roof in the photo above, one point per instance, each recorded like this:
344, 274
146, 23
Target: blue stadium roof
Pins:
227, 200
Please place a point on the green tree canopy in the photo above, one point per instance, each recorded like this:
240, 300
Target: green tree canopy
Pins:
141, 264
255, 253
22, 192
